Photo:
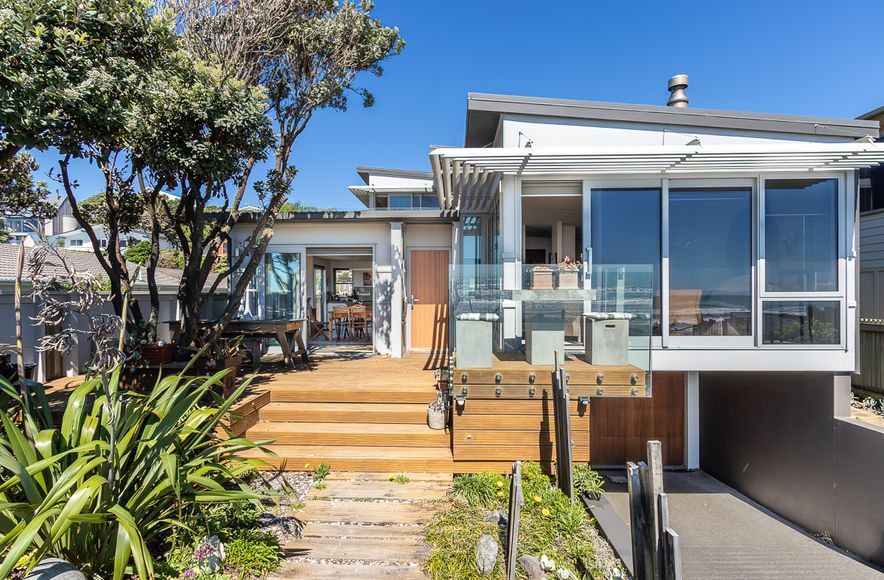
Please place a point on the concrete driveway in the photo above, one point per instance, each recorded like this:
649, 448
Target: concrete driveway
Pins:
724, 534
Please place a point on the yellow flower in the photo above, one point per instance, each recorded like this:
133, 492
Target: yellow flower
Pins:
499, 484
306, 465
538, 499
499, 494
544, 511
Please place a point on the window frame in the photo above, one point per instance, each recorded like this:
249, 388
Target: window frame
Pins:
842, 201
712, 342
335, 280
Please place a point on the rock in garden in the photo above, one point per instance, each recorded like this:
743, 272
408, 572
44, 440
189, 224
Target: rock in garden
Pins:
495, 517
486, 554
532, 567
55, 569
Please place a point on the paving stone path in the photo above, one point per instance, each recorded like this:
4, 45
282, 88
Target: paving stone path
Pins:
362, 525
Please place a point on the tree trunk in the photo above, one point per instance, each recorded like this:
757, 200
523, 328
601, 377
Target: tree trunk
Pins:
19, 342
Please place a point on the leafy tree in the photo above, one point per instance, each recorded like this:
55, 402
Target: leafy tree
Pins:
307, 54
19, 193
139, 253
71, 74
57, 57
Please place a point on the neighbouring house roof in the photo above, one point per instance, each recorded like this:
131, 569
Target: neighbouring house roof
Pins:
167, 278
484, 111
366, 172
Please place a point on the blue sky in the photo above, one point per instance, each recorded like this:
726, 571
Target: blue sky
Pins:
809, 57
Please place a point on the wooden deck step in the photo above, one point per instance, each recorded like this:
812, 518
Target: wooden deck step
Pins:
410, 491
385, 476
344, 390
361, 434
355, 531
378, 513
356, 458
311, 571
399, 550
414, 413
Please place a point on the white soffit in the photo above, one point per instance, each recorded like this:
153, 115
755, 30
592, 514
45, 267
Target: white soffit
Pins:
465, 176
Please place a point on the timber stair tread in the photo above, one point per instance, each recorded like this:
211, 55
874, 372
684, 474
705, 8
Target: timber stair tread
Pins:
387, 490
313, 412
384, 550
359, 434
344, 391
363, 571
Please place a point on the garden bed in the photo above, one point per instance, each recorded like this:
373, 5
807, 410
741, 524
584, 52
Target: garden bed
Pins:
550, 526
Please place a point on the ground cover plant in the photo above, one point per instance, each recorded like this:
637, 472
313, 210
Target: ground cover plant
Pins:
551, 525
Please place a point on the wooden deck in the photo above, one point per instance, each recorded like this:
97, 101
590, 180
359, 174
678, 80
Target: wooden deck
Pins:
361, 412
357, 412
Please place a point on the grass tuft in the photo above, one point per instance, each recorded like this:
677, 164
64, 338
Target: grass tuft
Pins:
400, 478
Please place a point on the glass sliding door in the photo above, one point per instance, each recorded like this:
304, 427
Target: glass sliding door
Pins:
625, 242
710, 264
282, 286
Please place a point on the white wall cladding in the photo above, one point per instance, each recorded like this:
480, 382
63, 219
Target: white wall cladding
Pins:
559, 132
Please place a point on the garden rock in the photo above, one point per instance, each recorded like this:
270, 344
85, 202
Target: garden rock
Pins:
486, 554
55, 569
495, 517
210, 554
532, 567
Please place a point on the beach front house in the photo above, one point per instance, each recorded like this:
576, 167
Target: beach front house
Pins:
711, 273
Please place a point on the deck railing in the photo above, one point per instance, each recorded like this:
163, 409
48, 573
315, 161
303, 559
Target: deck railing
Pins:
604, 313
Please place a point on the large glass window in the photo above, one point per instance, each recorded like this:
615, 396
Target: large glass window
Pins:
710, 253
801, 235
625, 231
801, 322
282, 286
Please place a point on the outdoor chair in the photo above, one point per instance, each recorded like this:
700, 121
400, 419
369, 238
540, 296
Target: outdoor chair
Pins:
317, 327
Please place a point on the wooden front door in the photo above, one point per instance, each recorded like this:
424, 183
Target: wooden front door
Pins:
429, 300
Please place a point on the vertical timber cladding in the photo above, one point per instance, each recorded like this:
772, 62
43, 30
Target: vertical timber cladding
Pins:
508, 413
621, 427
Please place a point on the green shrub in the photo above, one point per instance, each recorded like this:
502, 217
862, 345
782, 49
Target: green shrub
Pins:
321, 471
588, 481
113, 481
252, 553
486, 489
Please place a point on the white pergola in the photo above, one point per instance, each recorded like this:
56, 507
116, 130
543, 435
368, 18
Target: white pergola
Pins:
468, 179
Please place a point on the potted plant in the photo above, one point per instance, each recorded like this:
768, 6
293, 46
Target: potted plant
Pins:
568, 270
225, 354
436, 413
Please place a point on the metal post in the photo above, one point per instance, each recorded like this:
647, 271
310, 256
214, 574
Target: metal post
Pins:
562, 415
636, 519
512, 525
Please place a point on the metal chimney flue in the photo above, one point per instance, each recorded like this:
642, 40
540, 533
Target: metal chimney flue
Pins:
677, 96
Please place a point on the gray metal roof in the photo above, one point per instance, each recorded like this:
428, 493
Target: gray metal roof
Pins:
366, 215
366, 172
484, 111
85, 261
873, 115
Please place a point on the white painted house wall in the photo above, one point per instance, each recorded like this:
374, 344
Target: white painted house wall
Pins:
558, 132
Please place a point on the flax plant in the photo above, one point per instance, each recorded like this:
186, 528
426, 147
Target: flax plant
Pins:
108, 484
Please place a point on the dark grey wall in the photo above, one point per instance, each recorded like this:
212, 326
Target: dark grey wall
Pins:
774, 437
859, 488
